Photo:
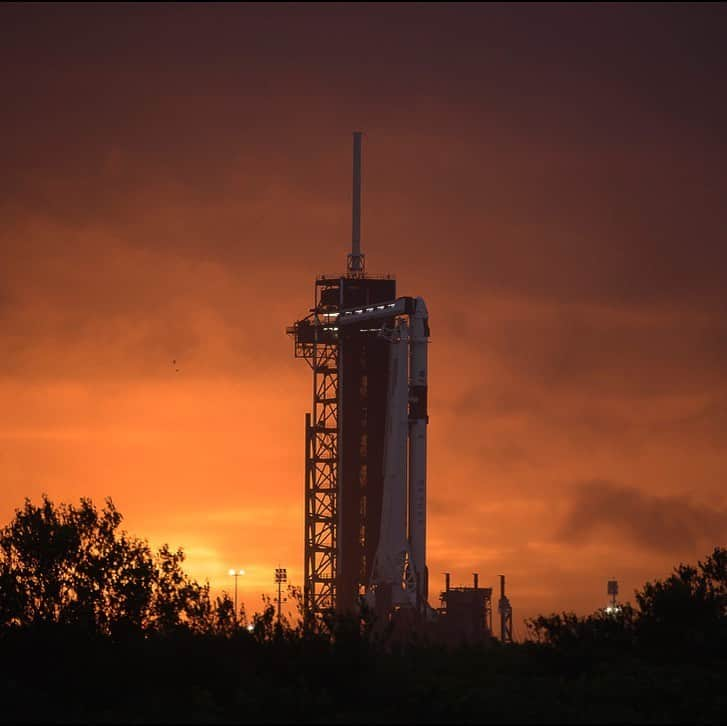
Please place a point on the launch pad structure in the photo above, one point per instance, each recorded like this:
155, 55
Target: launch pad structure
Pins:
365, 439
366, 456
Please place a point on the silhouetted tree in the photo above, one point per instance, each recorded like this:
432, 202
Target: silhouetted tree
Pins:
224, 622
74, 566
580, 640
264, 624
686, 612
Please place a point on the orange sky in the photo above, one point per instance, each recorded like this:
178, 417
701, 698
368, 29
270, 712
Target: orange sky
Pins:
552, 182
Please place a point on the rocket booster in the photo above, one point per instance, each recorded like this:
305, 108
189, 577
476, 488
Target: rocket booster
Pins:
418, 419
393, 547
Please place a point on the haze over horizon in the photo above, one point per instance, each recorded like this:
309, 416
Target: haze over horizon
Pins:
550, 178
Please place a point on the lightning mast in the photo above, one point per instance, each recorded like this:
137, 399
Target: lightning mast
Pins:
355, 264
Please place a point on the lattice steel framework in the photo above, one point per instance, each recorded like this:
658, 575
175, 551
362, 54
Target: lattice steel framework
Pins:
505, 614
321, 483
316, 341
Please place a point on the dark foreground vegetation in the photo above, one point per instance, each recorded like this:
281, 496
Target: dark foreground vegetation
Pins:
95, 627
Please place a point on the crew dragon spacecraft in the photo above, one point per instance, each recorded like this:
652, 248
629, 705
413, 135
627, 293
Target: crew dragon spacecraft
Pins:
365, 440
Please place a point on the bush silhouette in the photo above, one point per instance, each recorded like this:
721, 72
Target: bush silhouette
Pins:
97, 627
68, 565
684, 615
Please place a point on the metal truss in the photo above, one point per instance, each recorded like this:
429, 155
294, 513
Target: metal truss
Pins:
321, 483
317, 342
505, 614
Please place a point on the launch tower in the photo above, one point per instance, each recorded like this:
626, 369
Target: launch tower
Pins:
365, 439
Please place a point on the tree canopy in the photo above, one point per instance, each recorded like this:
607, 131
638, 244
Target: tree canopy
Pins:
73, 565
684, 615
124, 634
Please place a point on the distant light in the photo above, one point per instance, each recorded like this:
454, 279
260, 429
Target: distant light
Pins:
231, 572
250, 628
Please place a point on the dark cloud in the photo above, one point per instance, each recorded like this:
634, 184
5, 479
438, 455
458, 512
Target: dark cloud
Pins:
550, 178
673, 524
625, 351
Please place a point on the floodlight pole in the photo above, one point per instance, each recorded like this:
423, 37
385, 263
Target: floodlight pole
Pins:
236, 574
281, 576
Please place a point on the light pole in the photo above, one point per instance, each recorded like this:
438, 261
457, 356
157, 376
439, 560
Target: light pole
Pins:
612, 590
236, 574
281, 576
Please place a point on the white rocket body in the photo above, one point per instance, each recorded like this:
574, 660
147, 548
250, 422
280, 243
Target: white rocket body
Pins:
399, 576
393, 552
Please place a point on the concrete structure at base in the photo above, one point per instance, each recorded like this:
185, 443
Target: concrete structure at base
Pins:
465, 612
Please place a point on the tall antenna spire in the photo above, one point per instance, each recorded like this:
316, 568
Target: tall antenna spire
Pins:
356, 258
